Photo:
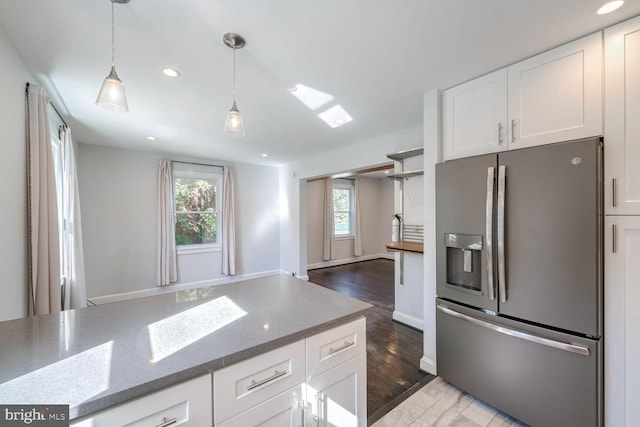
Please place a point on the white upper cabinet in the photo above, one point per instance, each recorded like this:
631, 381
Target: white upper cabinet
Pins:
622, 119
557, 96
552, 97
475, 117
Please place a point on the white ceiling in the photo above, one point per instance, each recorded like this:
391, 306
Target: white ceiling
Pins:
375, 57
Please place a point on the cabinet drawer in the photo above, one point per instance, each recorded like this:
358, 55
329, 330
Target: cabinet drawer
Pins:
247, 383
335, 346
283, 410
188, 403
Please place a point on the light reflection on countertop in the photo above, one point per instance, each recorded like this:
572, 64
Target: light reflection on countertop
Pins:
104, 355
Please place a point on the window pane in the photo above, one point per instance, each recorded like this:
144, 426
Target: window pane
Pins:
195, 195
341, 222
340, 199
195, 228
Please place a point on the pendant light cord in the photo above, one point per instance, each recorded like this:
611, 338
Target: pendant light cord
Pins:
234, 72
113, 38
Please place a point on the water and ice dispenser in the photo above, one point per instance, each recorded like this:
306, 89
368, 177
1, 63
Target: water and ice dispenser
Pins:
464, 261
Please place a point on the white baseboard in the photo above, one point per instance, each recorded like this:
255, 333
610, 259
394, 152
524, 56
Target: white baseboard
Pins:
179, 287
335, 262
428, 365
412, 321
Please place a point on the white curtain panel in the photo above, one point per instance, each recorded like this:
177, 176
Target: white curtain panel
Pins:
228, 225
42, 208
327, 222
75, 292
166, 226
357, 235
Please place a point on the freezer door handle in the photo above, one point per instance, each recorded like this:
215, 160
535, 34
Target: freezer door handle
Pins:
489, 233
502, 277
573, 348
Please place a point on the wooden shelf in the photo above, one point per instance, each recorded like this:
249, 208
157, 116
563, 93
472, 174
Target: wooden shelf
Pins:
413, 247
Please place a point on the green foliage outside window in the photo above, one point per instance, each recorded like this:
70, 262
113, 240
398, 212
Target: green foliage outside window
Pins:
196, 217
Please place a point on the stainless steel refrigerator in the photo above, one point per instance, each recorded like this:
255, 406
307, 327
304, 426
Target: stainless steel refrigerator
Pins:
520, 281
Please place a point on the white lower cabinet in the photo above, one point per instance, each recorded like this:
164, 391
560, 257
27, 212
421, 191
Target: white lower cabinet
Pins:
284, 410
622, 321
186, 404
319, 381
338, 397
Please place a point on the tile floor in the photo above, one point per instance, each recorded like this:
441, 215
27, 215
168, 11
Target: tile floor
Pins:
440, 404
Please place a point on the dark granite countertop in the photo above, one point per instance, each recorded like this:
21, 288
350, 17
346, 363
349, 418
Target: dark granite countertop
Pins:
96, 357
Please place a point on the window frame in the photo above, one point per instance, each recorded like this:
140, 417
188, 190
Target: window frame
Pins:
216, 177
350, 186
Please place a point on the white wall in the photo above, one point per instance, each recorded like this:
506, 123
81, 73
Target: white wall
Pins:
367, 153
376, 201
118, 196
13, 228
431, 157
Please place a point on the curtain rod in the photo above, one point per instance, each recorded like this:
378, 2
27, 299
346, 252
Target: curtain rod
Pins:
58, 113
199, 164
26, 90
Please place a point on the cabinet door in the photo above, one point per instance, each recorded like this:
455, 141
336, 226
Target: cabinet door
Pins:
622, 113
284, 410
557, 96
338, 397
186, 404
622, 321
475, 116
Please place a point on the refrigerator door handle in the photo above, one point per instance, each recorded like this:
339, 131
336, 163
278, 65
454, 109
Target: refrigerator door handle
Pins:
573, 348
502, 277
489, 233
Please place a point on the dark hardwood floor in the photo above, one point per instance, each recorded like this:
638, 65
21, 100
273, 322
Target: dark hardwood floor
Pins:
393, 349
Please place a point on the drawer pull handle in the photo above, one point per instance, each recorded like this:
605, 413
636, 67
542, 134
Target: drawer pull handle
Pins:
342, 347
166, 422
275, 375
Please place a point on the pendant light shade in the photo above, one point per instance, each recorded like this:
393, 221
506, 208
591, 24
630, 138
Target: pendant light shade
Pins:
233, 125
112, 96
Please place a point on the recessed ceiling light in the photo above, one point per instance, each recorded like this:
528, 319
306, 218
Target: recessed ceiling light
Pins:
170, 72
610, 7
151, 138
265, 155
387, 171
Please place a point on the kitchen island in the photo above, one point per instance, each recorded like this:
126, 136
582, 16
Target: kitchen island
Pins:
98, 357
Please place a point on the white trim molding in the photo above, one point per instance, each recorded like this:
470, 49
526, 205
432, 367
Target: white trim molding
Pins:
428, 365
407, 319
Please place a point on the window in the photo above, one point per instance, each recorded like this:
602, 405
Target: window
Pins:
197, 205
57, 148
342, 209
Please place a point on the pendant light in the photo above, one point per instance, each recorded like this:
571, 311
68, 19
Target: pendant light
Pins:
233, 126
111, 94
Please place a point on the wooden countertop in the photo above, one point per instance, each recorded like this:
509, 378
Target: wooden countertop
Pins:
413, 247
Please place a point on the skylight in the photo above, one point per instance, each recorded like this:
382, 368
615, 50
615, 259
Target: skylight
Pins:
335, 116
312, 98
